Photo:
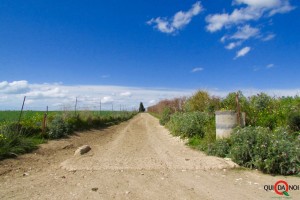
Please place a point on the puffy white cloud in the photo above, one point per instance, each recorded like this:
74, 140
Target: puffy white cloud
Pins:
242, 52
40, 93
15, 87
217, 22
178, 21
245, 32
260, 3
233, 45
254, 10
284, 7
197, 69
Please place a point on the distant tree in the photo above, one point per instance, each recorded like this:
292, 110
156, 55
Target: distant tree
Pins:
142, 108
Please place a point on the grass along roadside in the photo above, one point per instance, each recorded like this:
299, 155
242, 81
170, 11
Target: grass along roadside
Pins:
21, 138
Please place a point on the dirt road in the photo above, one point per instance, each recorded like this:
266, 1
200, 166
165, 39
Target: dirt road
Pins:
137, 159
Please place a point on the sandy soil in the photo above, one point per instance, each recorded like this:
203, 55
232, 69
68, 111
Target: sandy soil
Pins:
137, 159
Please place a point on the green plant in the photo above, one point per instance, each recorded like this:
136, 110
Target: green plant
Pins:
13, 142
188, 124
165, 116
200, 101
294, 121
220, 147
229, 102
276, 152
58, 128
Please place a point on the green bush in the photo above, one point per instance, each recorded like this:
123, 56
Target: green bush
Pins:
294, 121
198, 102
13, 142
58, 128
276, 152
165, 116
219, 148
188, 124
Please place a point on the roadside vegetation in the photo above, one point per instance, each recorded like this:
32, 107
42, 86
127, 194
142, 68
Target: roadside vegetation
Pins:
17, 138
270, 141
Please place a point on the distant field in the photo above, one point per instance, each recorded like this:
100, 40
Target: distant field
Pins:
10, 116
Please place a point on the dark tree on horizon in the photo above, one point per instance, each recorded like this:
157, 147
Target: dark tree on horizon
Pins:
142, 108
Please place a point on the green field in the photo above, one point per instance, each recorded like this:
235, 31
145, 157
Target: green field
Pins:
13, 116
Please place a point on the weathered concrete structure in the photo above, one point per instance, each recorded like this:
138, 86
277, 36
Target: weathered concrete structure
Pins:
226, 121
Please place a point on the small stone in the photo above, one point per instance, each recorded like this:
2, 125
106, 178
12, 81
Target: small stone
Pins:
127, 192
142, 174
187, 159
63, 177
82, 150
95, 189
25, 174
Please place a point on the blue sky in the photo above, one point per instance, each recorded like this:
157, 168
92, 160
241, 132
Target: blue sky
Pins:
164, 48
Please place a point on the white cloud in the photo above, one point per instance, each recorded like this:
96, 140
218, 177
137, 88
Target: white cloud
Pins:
285, 7
59, 97
260, 3
254, 10
197, 69
89, 96
46, 93
245, 32
178, 21
268, 37
233, 45
107, 99
125, 94
242, 52
269, 66
217, 22
15, 87
224, 38
151, 102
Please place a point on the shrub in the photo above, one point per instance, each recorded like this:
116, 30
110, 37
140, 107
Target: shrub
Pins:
58, 128
198, 102
165, 116
188, 124
294, 121
229, 102
244, 143
219, 148
276, 152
